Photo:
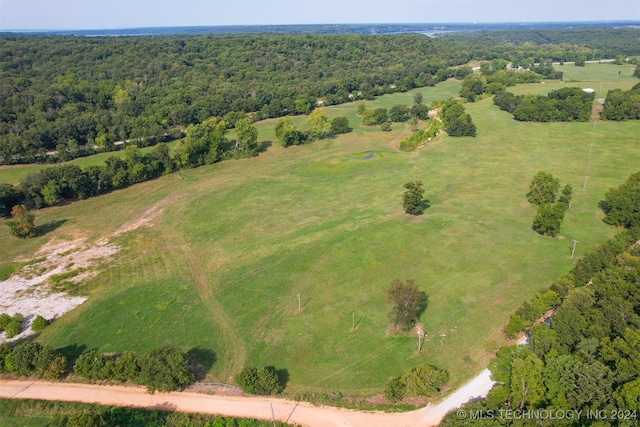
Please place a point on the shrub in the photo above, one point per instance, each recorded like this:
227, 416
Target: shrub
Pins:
340, 125
15, 325
4, 321
31, 358
263, 381
39, 323
127, 367
395, 389
164, 369
4, 352
91, 365
425, 380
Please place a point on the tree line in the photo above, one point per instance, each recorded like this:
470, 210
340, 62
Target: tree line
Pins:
205, 143
162, 369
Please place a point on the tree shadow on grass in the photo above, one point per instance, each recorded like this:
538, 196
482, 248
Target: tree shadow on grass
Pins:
264, 145
49, 227
200, 361
71, 353
283, 376
426, 204
424, 302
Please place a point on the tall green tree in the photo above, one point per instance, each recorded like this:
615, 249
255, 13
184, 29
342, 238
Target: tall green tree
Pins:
284, 125
543, 188
318, 123
622, 205
399, 113
247, 138
340, 125
407, 303
549, 218
412, 199
527, 385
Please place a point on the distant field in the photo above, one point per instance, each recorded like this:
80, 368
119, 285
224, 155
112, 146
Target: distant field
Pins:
597, 72
239, 240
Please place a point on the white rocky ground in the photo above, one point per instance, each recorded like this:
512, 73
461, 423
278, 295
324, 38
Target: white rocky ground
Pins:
29, 291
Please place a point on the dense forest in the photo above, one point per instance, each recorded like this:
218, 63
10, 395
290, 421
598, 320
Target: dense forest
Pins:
71, 94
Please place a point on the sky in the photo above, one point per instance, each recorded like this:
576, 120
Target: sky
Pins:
112, 14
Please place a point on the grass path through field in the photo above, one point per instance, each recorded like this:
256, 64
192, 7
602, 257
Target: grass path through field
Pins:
233, 351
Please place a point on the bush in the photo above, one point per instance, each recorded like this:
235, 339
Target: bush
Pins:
91, 365
5, 350
515, 325
263, 381
395, 389
31, 358
4, 321
127, 367
425, 380
15, 325
164, 369
39, 323
340, 125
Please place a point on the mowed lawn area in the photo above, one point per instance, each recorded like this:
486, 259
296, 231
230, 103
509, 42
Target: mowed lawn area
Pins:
237, 242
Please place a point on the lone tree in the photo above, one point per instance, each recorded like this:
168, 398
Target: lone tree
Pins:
408, 302
543, 189
23, 223
412, 198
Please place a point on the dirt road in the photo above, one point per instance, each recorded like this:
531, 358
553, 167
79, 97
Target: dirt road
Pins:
256, 407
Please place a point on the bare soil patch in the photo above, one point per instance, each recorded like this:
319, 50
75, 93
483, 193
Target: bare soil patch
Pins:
42, 285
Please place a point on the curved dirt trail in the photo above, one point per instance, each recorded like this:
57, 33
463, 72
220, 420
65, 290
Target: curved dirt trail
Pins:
301, 413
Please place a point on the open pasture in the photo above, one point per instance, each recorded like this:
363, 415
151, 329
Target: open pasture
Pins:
222, 267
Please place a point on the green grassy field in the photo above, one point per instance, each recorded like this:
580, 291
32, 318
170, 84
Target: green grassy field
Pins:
239, 240
597, 72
